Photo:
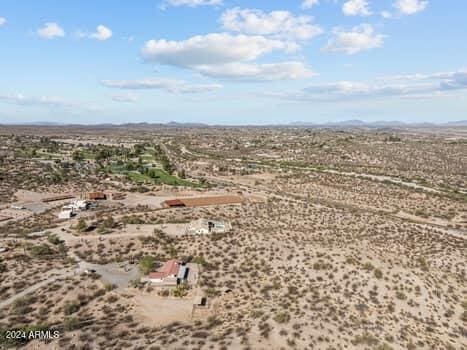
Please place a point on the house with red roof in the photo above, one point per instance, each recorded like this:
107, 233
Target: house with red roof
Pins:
167, 274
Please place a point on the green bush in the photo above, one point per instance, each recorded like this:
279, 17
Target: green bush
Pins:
81, 226
424, 264
200, 260
41, 250
70, 308
71, 323
368, 266
21, 305
54, 239
401, 295
180, 291
321, 265
146, 264
365, 339
282, 317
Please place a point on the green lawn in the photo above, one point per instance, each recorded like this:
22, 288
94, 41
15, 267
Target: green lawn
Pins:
163, 177
160, 177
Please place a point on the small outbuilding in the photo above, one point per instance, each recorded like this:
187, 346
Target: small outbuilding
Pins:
97, 195
200, 301
204, 227
66, 214
77, 205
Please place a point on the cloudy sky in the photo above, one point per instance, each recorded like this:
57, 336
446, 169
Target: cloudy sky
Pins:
232, 61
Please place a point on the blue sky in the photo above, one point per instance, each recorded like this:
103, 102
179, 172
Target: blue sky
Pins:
232, 61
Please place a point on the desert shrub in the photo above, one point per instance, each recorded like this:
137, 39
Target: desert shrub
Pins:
211, 292
71, 323
41, 250
401, 295
282, 317
384, 347
180, 291
81, 226
321, 265
257, 313
423, 263
164, 293
109, 286
70, 308
135, 283
108, 222
422, 214
200, 260
21, 305
112, 298
54, 239
146, 264
265, 329
365, 339
368, 266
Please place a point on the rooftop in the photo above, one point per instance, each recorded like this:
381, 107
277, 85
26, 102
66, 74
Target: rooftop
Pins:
170, 268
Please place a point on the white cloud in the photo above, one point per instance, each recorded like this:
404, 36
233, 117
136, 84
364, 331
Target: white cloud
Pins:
215, 48
411, 86
280, 24
356, 8
457, 80
445, 80
348, 88
42, 101
192, 3
102, 33
51, 30
360, 38
169, 85
227, 56
258, 72
2, 21
386, 14
127, 98
410, 7
308, 4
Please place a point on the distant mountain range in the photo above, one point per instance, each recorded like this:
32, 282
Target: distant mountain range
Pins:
355, 123
379, 124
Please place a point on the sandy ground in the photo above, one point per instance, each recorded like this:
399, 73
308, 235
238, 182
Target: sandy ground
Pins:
56, 275
158, 311
24, 196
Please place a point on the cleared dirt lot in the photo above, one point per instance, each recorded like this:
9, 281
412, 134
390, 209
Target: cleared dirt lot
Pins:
156, 311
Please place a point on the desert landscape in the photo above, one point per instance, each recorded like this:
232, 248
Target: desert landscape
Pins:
164, 237
233, 175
